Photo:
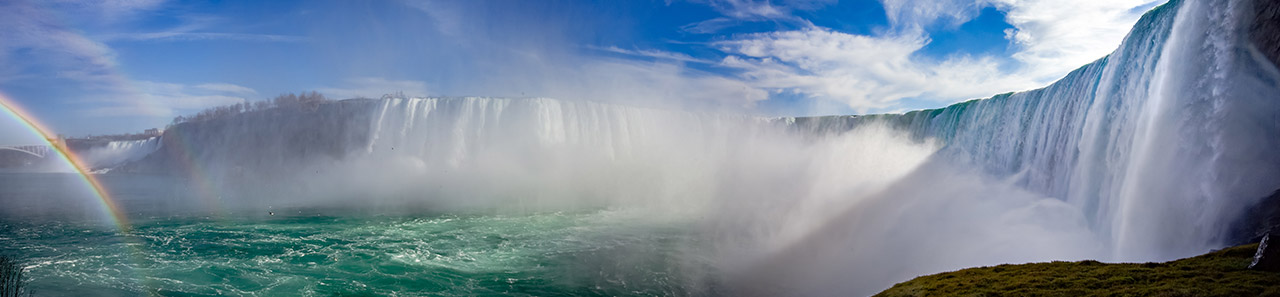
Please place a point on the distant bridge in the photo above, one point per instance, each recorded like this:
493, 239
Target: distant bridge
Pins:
37, 150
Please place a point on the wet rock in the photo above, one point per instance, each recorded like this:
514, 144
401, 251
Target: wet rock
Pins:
1259, 219
1268, 256
1265, 31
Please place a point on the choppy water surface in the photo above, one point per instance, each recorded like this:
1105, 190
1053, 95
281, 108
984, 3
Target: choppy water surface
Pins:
545, 254
310, 254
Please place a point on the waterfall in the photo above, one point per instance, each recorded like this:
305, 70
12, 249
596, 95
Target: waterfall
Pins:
545, 153
1145, 154
115, 153
1160, 143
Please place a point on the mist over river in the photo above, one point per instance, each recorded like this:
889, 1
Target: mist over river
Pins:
171, 250
1151, 153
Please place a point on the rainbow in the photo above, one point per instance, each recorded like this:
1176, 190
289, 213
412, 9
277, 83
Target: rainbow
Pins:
63, 155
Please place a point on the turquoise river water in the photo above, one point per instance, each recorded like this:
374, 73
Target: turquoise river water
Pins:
314, 253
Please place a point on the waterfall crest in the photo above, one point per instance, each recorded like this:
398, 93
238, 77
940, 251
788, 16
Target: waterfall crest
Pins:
116, 153
1145, 154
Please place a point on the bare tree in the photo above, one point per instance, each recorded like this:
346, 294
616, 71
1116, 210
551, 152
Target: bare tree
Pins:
308, 100
11, 282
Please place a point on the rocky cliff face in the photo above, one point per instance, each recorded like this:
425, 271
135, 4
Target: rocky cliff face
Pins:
1264, 216
1256, 222
259, 144
1265, 32
1160, 145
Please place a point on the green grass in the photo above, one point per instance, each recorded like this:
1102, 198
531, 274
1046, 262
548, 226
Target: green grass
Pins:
1219, 273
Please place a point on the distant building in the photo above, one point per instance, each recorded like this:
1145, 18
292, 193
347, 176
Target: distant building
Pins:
152, 132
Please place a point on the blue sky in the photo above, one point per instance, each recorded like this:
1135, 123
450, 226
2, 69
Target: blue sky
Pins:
99, 67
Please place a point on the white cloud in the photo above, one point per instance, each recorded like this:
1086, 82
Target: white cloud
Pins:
226, 88
501, 61
105, 11
161, 99
1050, 39
870, 73
1053, 40
35, 44
445, 14
919, 13
197, 36
866, 73
659, 84
36, 40
709, 26
743, 9
752, 9
737, 12
655, 54
196, 28
373, 87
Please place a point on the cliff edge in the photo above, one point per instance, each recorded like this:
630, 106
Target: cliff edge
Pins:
1220, 273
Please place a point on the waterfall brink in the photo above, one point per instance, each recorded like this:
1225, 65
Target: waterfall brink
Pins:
1145, 154
116, 153
1159, 144
545, 154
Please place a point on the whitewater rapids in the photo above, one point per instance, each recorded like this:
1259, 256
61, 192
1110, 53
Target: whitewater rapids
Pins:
1146, 154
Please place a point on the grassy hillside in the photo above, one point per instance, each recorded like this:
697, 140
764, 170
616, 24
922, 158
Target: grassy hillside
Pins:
1220, 273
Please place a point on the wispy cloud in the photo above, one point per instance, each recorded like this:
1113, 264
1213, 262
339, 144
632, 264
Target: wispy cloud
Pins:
199, 36
738, 12
753, 9
104, 11
226, 88
373, 87
710, 26
876, 72
37, 45
866, 73
654, 54
196, 28
656, 83
745, 9
869, 73
1053, 41
445, 14
1049, 40
915, 14
163, 99
504, 64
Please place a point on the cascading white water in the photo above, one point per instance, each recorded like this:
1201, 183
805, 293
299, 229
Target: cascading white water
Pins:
104, 158
812, 207
542, 154
1145, 154
1160, 144
1188, 162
